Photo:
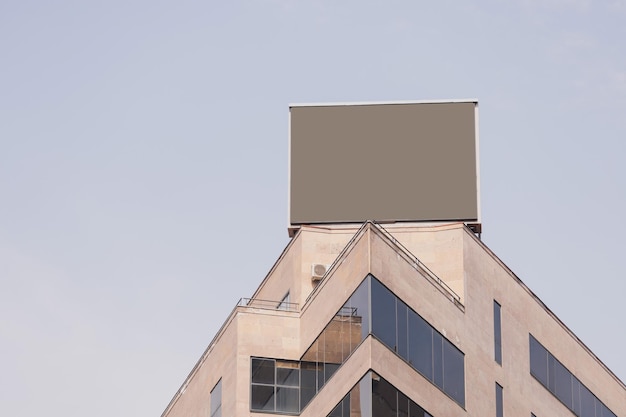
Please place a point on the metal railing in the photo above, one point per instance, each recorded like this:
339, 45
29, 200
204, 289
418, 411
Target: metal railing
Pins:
268, 304
417, 263
403, 251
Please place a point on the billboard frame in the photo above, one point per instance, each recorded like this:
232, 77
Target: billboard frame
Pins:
473, 223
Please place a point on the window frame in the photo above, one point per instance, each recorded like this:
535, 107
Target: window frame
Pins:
276, 385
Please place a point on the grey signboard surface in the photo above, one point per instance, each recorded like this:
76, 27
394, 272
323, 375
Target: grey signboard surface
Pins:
383, 161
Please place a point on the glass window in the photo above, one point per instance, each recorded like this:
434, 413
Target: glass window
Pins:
263, 371
343, 408
576, 396
497, 332
287, 373
321, 353
337, 411
553, 375
359, 306
383, 314
362, 395
403, 405
417, 411
587, 403
420, 345
311, 354
216, 400
538, 361
438, 359
343, 327
275, 385
563, 384
384, 399
606, 412
336, 342
454, 372
499, 404
403, 330
320, 375
262, 397
373, 396
308, 382
329, 370
287, 399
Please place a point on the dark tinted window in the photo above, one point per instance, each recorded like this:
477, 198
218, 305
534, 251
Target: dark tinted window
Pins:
576, 396
563, 384
262, 397
359, 307
342, 409
308, 382
384, 399
393, 323
553, 375
383, 314
497, 332
499, 404
287, 373
417, 411
337, 411
606, 412
287, 399
454, 372
336, 342
538, 361
275, 385
403, 330
263, 371
345, 407
330, 369
403, 405
420, 345
375, 397
438, 359
320, 375
587, 403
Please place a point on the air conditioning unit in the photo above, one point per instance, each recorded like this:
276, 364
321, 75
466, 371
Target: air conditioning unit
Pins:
318, 271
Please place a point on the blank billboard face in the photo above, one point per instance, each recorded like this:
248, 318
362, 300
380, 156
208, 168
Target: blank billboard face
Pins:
383, 162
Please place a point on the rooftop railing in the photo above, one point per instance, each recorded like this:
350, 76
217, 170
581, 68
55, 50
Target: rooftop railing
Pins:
417, 263
268, 304
403, 251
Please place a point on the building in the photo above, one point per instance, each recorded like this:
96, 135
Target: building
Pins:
401, 319
453, 333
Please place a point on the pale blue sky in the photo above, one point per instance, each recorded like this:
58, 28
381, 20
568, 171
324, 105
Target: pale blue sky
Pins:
143, 167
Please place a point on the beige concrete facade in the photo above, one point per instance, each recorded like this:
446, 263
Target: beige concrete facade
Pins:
452, 286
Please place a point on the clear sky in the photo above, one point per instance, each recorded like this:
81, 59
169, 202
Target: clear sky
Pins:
143, 167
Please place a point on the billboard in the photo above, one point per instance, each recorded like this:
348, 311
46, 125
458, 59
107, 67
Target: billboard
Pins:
388, 162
